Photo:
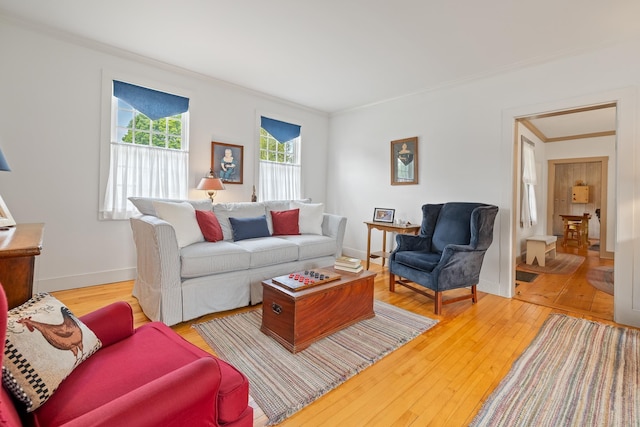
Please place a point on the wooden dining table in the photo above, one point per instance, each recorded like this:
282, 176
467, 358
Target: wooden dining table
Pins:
576, 228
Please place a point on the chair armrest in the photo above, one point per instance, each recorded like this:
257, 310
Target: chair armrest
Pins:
112, 323
410, 242
158, 284
186, 396
459, 266
334, 226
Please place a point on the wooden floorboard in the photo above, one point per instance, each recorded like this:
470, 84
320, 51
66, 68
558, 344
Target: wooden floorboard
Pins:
442, 377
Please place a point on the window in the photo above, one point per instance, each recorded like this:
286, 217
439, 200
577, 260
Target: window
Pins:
149, 154
134, 127
279, 160
529, 209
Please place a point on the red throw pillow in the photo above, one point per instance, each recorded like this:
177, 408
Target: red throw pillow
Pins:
209, 226
285, 223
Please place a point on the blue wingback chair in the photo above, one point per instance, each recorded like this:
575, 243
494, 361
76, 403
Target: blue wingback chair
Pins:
448, 252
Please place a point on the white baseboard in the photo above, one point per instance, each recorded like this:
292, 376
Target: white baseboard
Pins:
83, 280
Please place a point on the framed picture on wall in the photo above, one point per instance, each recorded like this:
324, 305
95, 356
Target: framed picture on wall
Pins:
227, 161
404, 161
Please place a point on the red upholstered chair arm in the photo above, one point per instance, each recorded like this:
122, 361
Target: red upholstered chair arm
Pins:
184, 397
112, 323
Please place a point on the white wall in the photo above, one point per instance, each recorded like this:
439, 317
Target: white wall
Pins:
50, 111
467, 153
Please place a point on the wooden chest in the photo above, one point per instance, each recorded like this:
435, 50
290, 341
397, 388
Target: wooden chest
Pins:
298, 318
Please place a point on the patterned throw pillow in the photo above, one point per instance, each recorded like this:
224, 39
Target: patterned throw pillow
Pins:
44, 343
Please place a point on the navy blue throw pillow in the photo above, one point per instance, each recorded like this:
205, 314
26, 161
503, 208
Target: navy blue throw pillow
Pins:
249, 228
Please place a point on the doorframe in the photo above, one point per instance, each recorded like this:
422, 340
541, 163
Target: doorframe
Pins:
627, 237
604, 170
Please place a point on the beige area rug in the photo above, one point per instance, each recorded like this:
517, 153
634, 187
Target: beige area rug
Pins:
561, 264
574, 373
601, 278
282, 383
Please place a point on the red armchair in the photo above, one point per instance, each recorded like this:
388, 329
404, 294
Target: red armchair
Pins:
149, 376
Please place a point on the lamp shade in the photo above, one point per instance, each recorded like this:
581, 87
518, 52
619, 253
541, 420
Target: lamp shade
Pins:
4, 166
210, 183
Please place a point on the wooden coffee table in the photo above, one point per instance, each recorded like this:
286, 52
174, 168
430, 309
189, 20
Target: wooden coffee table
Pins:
296, 319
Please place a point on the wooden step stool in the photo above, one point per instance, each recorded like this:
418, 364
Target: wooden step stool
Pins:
539, 246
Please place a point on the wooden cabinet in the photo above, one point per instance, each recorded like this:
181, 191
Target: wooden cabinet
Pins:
580, 194
19, 246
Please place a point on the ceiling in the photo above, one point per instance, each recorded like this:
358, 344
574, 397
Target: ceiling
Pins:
575, 124
335, 55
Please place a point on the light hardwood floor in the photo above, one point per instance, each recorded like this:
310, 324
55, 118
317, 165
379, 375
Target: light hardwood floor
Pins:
441, 378
570, 291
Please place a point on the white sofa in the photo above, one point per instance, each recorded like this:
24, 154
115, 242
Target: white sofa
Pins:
175, 284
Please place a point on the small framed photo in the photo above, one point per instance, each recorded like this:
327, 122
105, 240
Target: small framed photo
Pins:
383, 215
227, 161
404, 161
6, 220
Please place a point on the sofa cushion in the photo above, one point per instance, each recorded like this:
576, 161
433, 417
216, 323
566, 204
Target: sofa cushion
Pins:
269, 251
224, 211
312, 246
182, 216
310, 218
145, 204
425, 261
285, 222
45, 342
209, 226
249, 228
204, 258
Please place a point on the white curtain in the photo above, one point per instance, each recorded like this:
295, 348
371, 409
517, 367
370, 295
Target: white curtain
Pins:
279, 181
529, 210
143, 171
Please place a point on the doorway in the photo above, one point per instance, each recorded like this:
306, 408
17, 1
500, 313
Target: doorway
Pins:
568, 159
591, 172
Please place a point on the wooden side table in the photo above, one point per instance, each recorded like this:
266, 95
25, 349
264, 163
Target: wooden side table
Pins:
19, 247
384, 227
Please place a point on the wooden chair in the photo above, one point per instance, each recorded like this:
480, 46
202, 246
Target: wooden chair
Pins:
576, 228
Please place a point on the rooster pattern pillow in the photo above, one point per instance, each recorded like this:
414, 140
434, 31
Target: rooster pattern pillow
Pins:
44, 343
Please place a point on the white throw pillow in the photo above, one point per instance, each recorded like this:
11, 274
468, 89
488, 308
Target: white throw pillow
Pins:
182, 216
310, 218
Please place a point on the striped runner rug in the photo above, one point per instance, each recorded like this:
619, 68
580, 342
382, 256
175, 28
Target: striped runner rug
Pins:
282, 383
574, 373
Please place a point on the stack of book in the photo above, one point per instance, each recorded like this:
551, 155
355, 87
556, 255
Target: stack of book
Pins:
351, 265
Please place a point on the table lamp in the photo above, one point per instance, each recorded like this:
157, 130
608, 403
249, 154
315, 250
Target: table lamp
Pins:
210, 184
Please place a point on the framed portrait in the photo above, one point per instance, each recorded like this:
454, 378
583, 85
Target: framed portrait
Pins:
227, 162
383, 215
404, 161
6, 220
